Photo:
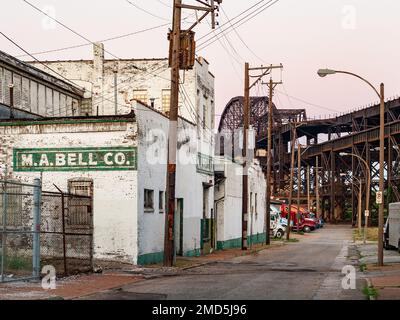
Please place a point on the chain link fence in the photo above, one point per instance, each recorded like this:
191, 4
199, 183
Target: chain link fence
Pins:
39, 228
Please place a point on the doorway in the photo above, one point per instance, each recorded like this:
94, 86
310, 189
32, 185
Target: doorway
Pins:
179, 227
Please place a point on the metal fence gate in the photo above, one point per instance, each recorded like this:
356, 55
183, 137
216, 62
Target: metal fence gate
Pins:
39, 228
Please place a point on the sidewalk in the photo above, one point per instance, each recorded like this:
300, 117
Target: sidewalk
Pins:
118, 275
66, 288
385, 281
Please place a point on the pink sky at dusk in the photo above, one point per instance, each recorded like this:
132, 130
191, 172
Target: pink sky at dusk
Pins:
354, 35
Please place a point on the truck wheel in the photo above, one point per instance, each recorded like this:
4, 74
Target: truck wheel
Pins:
279, 234
398, 247
307, 229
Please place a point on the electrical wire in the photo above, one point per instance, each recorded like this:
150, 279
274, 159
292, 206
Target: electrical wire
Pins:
239, 23
146, 11
104, 40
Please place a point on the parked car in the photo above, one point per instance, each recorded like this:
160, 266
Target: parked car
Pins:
391, 232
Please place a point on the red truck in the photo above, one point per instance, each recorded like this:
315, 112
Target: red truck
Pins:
305, 223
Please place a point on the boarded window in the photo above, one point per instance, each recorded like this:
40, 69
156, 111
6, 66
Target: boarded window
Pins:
56, 104
13, 198
1, 86
63, 105
17, 81
141, 95
25, 95
8, 82
49, 102
161, 201
42, 100
166, 100
69, 106
79, 207
148, 200
34, 97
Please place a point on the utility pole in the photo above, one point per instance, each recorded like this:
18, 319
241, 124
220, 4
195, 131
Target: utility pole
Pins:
271, 87
182, 57
308, 189
245, 181
263, 71
291, 180
317, 185
298, 183
381, 173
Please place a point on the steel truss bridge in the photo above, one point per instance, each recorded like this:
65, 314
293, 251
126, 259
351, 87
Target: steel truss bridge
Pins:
337, 176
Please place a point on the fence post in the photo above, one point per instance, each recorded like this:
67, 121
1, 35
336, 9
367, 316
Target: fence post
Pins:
37, 192
4, 221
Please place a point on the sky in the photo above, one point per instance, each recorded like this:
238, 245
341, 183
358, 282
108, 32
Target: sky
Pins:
304, 35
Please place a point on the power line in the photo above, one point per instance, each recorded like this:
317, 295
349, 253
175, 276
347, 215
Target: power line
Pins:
33, 57
240, 38
239, 23
104, 40
146, 11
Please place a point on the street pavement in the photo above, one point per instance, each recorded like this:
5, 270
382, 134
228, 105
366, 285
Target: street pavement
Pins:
309, 269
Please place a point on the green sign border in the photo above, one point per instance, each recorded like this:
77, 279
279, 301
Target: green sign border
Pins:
16, 168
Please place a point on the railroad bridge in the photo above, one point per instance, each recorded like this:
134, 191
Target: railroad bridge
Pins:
325, 170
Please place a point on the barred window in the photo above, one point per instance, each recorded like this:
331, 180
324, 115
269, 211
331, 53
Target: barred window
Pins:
13, 198
80, 208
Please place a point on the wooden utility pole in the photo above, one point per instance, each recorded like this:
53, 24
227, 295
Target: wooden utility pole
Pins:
298, 184
246, 106
317, 185
245, 181
271, 87
308, 189
291, 180
182, 57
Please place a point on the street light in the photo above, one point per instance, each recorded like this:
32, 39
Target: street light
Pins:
368, 174
381, 95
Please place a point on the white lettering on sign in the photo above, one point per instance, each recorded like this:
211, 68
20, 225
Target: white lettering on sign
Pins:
107, 160
27, 160
60, 160
44, 162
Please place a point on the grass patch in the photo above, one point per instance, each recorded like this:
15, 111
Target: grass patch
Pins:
370, 292
372, 234
292, 240
363, 267
17, 263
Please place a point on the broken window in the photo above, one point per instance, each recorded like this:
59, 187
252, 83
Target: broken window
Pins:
161, 201
148, 200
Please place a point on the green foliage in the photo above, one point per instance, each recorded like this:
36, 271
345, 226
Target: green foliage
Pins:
370, 292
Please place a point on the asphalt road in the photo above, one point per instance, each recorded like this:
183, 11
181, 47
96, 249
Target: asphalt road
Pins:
310, 269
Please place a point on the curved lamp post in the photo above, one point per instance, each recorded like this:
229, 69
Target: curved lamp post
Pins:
367, 196
381, 95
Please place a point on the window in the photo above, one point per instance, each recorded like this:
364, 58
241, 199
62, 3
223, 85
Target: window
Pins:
141, 95
255, 204
80, 207
14, 205
204, 116
166, 100
251, 203
148, 200
161, 201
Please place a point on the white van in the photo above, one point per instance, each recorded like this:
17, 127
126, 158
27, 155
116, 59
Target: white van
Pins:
392, 227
